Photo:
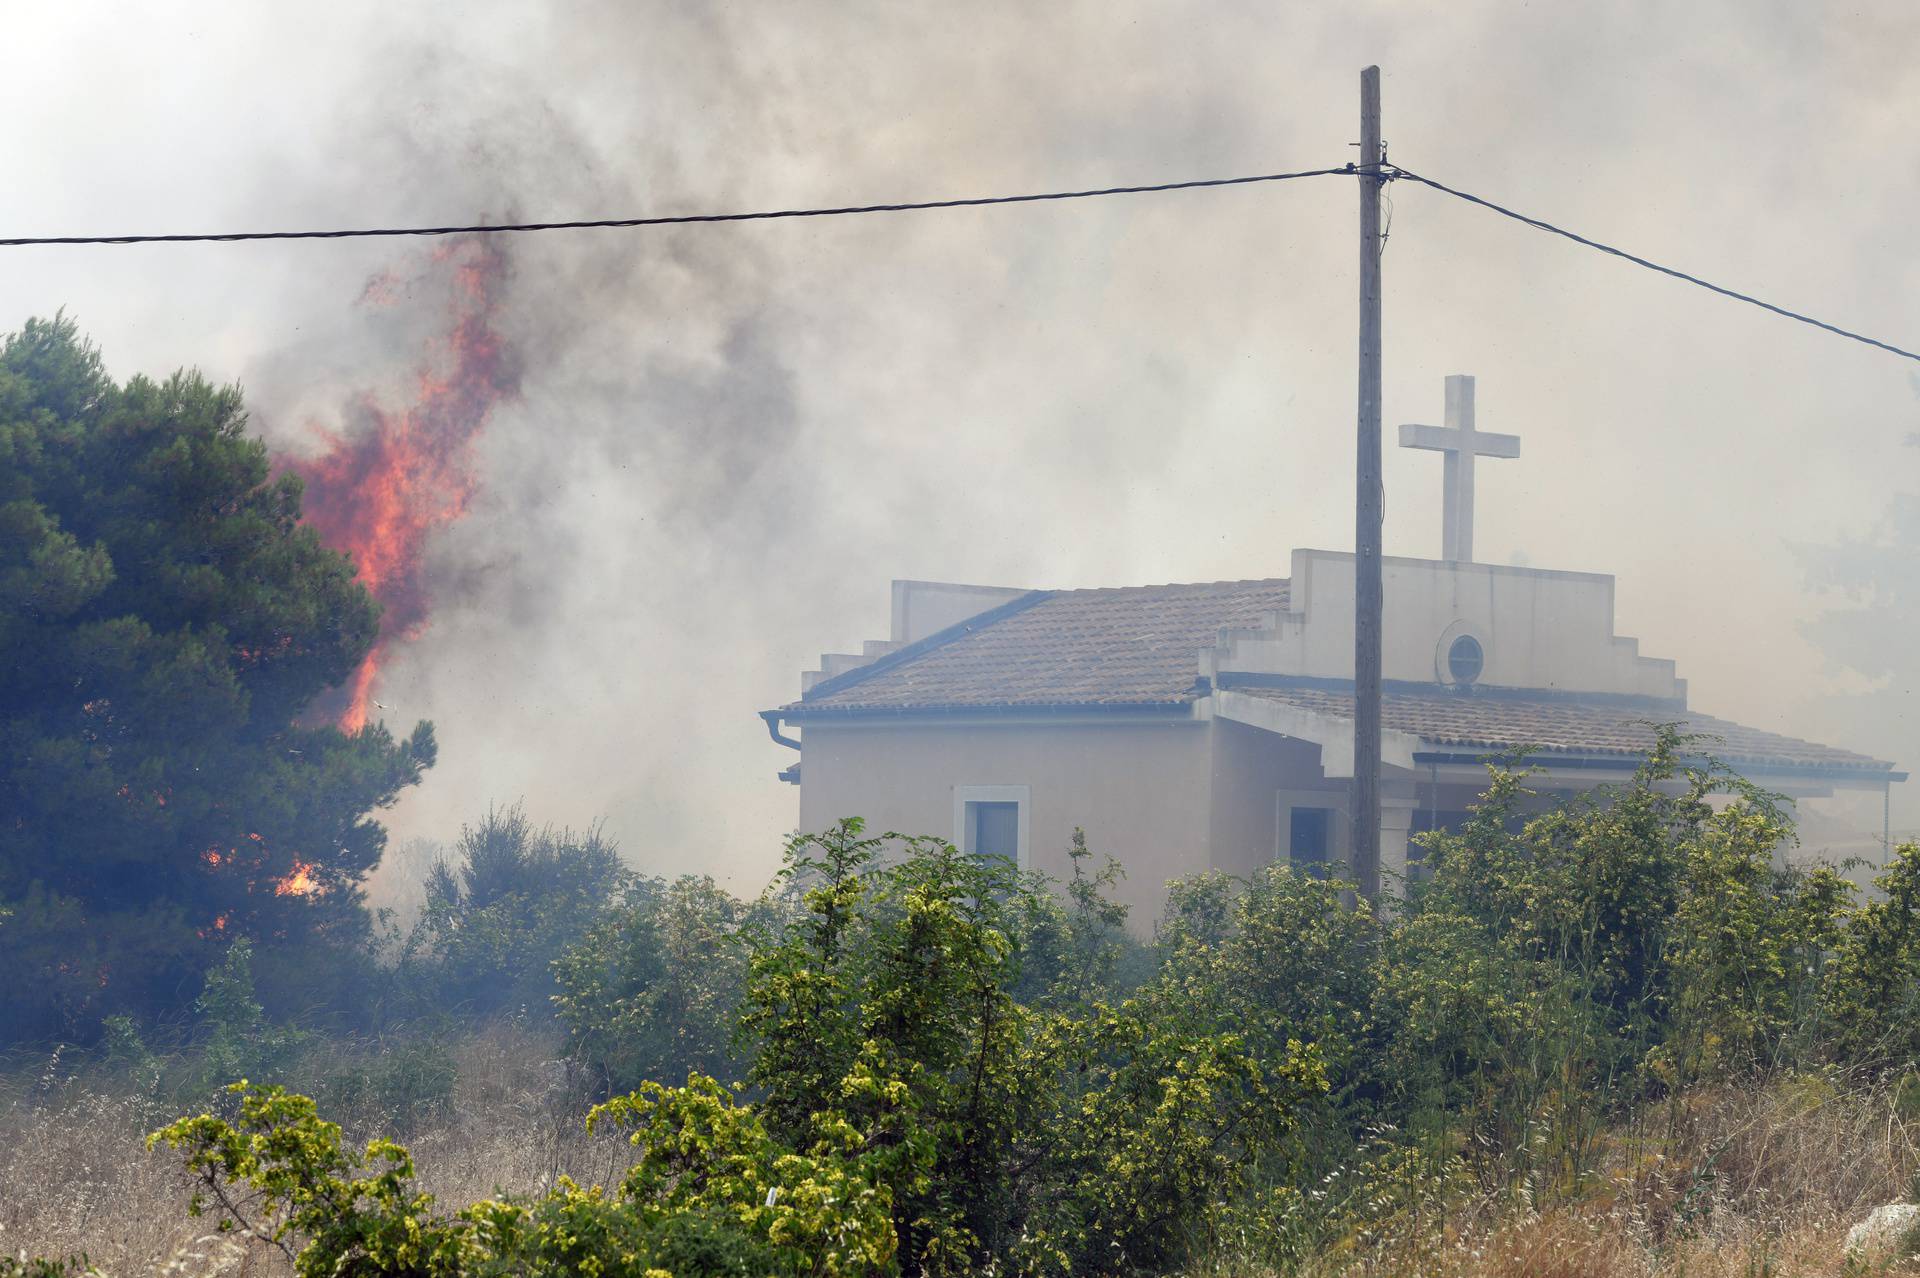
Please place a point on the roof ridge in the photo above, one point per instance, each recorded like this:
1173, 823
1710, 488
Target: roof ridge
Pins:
1174, 585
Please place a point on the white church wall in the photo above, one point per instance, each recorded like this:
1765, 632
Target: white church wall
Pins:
1167, 799
1537, 629
1139, 788
1250, 767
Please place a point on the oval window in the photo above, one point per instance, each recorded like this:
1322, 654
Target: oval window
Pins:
1465, 659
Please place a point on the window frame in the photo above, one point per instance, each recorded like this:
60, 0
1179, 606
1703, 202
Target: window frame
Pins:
1472, 677
1339, 833
1019, 795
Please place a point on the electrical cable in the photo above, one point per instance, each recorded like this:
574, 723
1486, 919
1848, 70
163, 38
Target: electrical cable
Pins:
1399, 174
24, 241
1391, 173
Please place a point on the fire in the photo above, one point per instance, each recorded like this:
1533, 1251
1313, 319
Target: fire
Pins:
382, 493
299, 883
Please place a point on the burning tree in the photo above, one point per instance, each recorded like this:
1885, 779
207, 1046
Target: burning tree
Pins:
165, 619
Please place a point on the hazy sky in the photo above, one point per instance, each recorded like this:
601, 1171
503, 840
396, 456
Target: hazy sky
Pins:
731, 438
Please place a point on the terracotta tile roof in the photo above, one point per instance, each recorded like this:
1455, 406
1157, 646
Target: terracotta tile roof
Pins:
1495, 719
1137, 645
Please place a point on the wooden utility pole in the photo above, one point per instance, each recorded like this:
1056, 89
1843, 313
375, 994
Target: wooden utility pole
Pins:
1368, 503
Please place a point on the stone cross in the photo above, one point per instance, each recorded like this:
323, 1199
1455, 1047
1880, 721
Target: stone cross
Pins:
1461, 443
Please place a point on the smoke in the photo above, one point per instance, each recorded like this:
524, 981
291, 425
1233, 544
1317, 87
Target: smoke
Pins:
382, 489
601, 438
726, 440
1868, 593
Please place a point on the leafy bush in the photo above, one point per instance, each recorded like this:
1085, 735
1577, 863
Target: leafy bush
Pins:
496, 919
1874, 980
652, 991
1077, 950
1061, 1140
239, 1041
1278, 956
1626, 942
1749, 944
711, 1194
951, 1068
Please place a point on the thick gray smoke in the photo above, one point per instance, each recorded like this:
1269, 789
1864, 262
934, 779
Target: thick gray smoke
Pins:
1868, 588
729, 439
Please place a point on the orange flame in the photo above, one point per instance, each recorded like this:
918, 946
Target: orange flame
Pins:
381, 494
299, 883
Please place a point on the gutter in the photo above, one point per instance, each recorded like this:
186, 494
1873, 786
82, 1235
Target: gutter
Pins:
1244, 680
800, 712
1628, 762
772, 720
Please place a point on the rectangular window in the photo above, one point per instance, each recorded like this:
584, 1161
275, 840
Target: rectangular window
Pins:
994, 830
1309, 829
1425, 821
991, 820
1309, 836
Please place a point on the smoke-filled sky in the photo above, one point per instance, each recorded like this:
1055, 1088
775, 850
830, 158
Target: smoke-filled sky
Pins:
727, 440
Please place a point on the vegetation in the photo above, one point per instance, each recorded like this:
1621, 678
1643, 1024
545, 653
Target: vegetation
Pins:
498, 916
164, 620
1624, 1034
934, 1064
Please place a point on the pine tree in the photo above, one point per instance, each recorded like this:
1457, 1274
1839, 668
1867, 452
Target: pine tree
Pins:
164, 619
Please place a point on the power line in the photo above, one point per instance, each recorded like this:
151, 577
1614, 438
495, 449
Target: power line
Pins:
1393, 172
1538, 224
686, 219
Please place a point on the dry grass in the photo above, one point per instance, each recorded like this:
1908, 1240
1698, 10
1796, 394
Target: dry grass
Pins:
1723, 1183
1726, 1183
75, 1175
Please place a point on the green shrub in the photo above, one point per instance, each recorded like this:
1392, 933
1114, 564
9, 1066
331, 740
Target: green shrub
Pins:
1874, 979
1069, 1138
1749, 941
1275, 957
1076, 950
952, 1069
127, 1054
652, 992
39, 1267
239, 1041
497, 918
711, 1194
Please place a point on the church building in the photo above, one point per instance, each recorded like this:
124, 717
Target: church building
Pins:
1210, 725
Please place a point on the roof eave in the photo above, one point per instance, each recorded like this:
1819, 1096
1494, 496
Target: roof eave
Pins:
800, 712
